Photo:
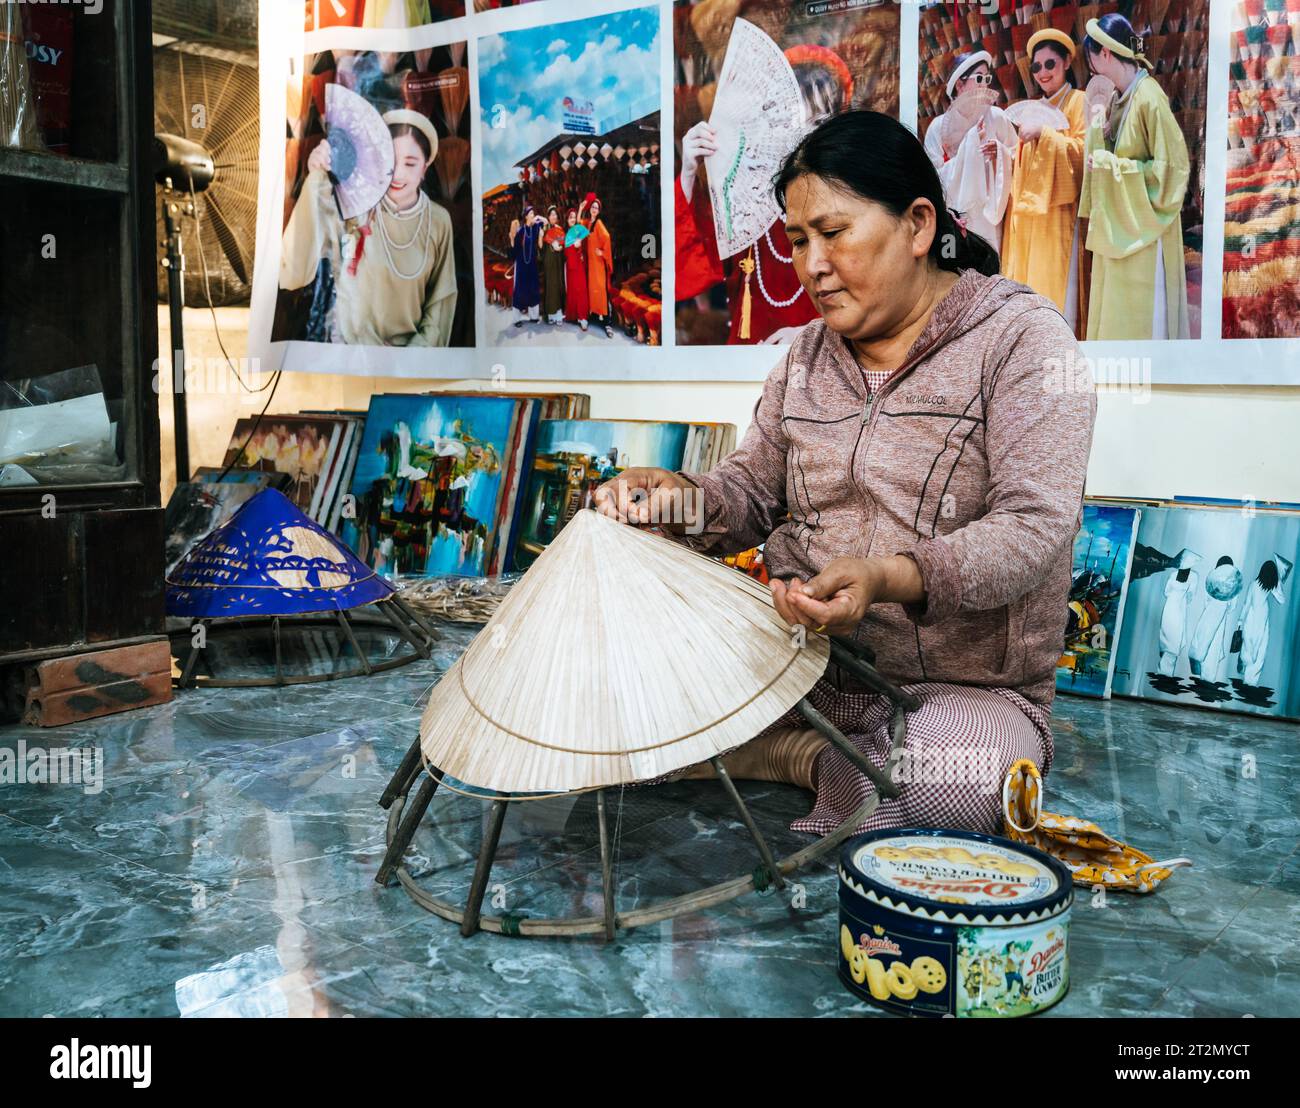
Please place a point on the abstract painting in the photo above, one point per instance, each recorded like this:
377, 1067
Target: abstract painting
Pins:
574, 457
428, 483
1103, 550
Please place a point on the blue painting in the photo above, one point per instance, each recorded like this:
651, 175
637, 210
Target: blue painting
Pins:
1207, 619
428, 483
1103, 550
576, 456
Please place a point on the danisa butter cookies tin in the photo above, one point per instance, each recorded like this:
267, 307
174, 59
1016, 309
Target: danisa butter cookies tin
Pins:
939, 923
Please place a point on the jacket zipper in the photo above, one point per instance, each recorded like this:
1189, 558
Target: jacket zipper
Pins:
869, 406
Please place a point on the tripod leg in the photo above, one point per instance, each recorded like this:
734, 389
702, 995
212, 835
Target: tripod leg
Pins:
415, 618
606, 868
884, 786
275, 634
483, 870
764, 851
356, 646
188, 672
406, 829
402, 778
384, 608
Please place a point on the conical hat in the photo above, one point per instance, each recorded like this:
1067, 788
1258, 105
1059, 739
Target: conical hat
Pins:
269, 559
619, 656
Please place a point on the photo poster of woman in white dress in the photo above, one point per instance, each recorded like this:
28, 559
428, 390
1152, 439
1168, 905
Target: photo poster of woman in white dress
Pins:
1209, 618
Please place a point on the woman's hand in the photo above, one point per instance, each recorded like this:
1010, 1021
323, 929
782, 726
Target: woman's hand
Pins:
697, 144
988, 145
320, 159
837, 599
1030, 132
644, 496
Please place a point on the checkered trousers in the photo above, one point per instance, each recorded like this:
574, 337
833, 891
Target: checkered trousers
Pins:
960, 744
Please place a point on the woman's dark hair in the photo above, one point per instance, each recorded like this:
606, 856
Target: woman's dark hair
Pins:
1268, 576
401, 130
877, 158
1057, 49
1224, 561
1120, 29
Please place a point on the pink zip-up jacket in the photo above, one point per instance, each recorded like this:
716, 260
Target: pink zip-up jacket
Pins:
971, 459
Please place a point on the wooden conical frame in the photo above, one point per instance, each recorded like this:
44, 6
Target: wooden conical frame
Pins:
620, 655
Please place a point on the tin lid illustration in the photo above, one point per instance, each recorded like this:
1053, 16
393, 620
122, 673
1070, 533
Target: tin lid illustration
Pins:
957, 877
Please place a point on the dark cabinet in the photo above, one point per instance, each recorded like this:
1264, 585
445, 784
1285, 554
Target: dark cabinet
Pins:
80, 522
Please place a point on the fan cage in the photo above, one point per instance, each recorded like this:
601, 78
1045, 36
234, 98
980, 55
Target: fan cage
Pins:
415, 640
405, 813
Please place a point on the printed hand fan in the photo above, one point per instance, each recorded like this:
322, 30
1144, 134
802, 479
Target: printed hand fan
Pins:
758, 117
361, 151
619, 656
1100, 93
964, 113
1036, 113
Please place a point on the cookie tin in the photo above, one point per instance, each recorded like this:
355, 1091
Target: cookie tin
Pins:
953, 923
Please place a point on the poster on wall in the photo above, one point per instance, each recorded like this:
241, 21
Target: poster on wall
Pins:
376, 245
1261, 244
570, 122
461, 189
1207, 620
746, 89
1072, 138
390, 15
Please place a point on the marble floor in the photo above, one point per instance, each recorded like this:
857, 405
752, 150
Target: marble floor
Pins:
223, 864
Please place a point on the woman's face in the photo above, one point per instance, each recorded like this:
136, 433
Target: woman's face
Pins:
408, 172
1051, 70
553, 218
595, 210
573, 218
1105, 64
858, 262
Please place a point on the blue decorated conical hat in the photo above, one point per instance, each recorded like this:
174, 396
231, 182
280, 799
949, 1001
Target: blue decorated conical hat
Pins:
270, 560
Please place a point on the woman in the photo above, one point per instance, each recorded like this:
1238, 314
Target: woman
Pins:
1135, 178
576, 306
394, 269
975, 169
915, 484
600, 264
1040, 243
1208, 648
526, 246
1179, 588
1255, 618
553, 267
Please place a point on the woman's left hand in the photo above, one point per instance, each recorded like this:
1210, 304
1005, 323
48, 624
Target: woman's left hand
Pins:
835, 600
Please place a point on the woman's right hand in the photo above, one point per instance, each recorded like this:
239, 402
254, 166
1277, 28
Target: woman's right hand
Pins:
699, 142
645, 496
320, 158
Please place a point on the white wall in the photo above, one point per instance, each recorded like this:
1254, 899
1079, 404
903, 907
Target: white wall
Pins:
1203, 440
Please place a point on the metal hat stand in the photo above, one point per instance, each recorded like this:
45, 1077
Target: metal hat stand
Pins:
397, 616
405, 813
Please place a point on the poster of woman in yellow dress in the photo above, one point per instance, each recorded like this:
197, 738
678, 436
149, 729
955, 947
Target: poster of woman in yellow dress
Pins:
1040, 238
1091, 234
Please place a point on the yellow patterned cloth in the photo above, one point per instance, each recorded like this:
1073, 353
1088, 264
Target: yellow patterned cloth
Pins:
1093, 857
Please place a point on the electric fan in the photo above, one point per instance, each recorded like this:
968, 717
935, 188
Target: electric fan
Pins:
207, 98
